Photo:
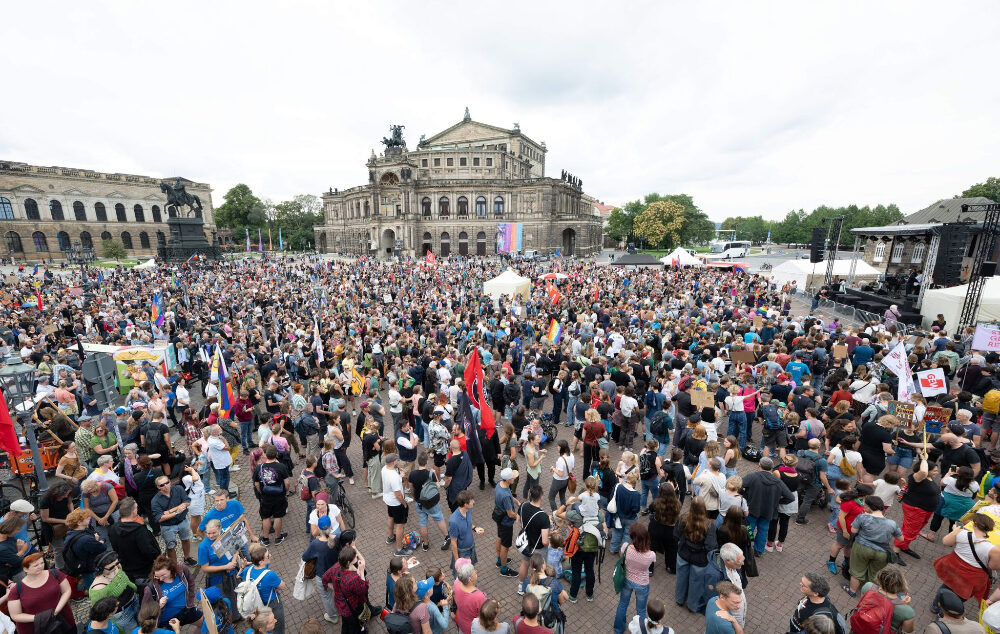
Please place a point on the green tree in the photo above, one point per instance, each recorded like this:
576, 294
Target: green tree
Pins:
990, 189
241, 209
660, 224
296, 219
619, 224
113, 249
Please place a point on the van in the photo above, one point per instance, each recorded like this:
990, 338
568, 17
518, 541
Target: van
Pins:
531, 254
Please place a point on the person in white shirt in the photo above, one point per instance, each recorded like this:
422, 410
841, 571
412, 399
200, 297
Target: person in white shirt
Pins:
628, 405
392, 495
655, 611
395, 407
218, 454
183, 398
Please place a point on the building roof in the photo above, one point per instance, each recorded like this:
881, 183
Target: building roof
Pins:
896, 230
637, 259
947, 210
470, 131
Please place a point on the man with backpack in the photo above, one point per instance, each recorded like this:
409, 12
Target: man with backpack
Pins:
811, 468
527, 622
272, 480
815, 600
504, 515
427, 492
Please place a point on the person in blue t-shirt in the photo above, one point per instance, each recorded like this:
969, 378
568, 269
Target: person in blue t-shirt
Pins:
721, 609
215, 567
100, 616
797, 369
148, 624
270, 583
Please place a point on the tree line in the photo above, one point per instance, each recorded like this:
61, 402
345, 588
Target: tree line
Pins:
295, 218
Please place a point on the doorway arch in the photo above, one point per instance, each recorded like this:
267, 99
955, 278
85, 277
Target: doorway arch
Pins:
322, 243
427, 246
388, 241
568, 242
445, 244
481, 243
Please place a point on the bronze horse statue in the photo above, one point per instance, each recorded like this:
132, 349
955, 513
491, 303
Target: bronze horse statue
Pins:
177, 197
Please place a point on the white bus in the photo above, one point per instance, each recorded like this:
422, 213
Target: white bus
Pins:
728, 249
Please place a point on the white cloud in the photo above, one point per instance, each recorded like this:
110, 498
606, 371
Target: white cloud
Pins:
749, 107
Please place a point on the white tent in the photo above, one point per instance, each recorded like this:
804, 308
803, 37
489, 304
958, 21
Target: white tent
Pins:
808, 275
507, 283
149, 264
682, 256
948, 302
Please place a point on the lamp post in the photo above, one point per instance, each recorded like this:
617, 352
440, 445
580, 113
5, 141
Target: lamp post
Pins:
18, 380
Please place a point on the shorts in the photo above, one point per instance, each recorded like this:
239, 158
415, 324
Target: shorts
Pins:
901, 458
578, 433
505, 532
843, 541
439, 460
273, 506
171, 534
987, 423
433, 513
778, 439
866, 562
541, 550
399, 513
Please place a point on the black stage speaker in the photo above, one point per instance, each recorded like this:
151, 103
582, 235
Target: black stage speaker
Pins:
817, 246
954, 243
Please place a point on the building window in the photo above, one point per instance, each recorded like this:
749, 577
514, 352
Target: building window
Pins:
144, 240
425, 207
462, 162
41, 243
879, 252
120, 212
101, 212
919, 249
437, 162
6, 209
86, 241
443, 210
105, 235
55, 208
157, 217
63, 238
423, 162
481, 207
140, 215
451, 162
127, 239
463, 207
31, 209
498, 206
897, 252
79, 212
489, 162
368, 209
14, 242
475, 161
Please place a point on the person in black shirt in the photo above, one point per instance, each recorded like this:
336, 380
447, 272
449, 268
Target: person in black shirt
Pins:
814, 600
876, 443
956, 451
919, 503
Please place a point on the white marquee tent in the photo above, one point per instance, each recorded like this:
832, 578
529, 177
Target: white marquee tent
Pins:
507, 283
682, 255
808, 275
948, 302
148, 264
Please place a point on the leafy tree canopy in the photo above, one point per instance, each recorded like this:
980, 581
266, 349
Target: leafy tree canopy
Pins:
692, 224
797, 226
990, 189
113, 249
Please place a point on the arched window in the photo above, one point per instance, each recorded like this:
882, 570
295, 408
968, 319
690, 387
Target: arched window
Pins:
41, 243
443, 209
6, 209
105, 235
425, 207
64, 244
879, 254
120, 213
919, 250
85, 240
463, 207
55, 208
481, 243
127, 239
367, 209
143, 240
140, 215
897, 252
14, 242
101, 212
498, 206
79, 211
31, 209
481, 207
157, 217
445, 244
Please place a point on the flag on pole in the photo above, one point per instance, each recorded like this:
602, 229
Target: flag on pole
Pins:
35, 272
554, 294
675, 262
157, 316
474, 389
8, 437
319, 342
225, 390
194, 256
281, 243
270, 247
430, 257
100, 276
248, 238
38, 295
260, 241
357, 382
555, 331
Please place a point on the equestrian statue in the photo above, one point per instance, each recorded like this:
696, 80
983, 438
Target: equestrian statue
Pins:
178, 197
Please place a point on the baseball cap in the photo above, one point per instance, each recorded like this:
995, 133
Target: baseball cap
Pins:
508, 474
425, 586
364, 404
120, 410
324, 523
22, 506
950, 602
391, 458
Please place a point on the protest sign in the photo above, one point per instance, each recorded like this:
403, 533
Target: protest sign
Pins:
758, 321
935, 418
901, 410
932, 382
986, 338
232, 539
743, 356
702, 399
840, 351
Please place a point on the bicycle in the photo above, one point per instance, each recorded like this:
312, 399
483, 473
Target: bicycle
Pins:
344, 504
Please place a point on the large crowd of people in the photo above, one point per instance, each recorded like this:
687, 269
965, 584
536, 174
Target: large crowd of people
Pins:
690, 414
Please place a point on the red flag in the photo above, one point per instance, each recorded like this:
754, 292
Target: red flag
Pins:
474, 379
554, 294
430, 257
38, 294
8, 437
597, 292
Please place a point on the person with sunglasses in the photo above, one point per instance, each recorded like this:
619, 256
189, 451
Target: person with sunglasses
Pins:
112, 581
170, 508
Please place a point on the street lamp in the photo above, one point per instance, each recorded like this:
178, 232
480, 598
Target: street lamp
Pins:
18, 379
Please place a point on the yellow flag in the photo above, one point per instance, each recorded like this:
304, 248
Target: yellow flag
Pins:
357, 382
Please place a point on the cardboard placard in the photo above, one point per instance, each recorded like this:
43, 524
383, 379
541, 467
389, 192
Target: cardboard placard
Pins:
50, 329
840, 351
702, 399
12, 280
901, 410
232, 539
743, 356
208, 613
935, 418
758, 321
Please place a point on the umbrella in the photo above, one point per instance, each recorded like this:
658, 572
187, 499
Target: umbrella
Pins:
553, 276
133, 354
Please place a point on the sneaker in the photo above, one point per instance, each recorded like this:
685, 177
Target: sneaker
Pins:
351, 480
280, 538
212, 492
507, 572
801, 521
778, 546
265, 541
190, 561
390, 540
497, 562
403, 552
832, 567
572, 599
331, 619
425, 546
769, 547
446, 545
235, 467
520, 592
590, 598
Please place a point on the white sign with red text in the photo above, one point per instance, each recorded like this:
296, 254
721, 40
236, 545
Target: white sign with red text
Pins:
932, 382
986, 338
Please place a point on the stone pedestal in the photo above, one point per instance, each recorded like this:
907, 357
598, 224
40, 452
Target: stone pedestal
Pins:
187, 237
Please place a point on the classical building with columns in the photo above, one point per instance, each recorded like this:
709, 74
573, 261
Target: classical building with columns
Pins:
44, 210
449, 195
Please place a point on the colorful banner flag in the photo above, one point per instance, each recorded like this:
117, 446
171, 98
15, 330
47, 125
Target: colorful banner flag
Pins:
157, 316
8, 437
319, 342
270, 247
429, 257
194, 256
38, 295
357, 382
554, 294
281, 243
225, 389
510, 237
260, 241
248, 239
932, 382
555, 331
474, 379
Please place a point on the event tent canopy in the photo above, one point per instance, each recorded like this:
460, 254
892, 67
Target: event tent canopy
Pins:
948, 302
148, 264
807, 275
682, 256
507, 283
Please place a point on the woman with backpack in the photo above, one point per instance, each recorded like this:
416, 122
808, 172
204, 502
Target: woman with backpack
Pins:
267, 581
843, 461
649, 473
408, 613
890, 602
623, 509
873, 536
543, 584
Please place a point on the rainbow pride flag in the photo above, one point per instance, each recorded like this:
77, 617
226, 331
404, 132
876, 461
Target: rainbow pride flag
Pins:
510, 237
157, 316
555, 331
225, 389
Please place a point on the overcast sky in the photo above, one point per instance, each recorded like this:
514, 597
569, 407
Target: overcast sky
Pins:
750, 107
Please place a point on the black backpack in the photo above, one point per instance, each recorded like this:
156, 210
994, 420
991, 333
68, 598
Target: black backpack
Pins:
647, 465
154, 441
769, 413
806, 468
658, 426
398, 623
72, 564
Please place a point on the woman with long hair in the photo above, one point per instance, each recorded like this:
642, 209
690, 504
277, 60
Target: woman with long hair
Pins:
561, 473
695, 535
639, 558
371, 453
958, 495
663, 515
891, 584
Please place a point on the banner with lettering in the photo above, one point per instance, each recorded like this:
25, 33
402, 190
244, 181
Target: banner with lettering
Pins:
986, 338
932, 382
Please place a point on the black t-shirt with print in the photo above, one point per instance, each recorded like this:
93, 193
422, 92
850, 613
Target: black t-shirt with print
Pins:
533, 521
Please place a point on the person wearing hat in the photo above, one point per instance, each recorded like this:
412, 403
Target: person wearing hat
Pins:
24, 511
952, 616
504, 514
439, 612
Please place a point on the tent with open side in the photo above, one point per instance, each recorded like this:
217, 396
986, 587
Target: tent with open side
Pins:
148, 264
683, 257
507, 283
949, 301
808, 275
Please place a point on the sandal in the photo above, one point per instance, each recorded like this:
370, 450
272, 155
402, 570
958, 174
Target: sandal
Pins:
930, 538
847, 588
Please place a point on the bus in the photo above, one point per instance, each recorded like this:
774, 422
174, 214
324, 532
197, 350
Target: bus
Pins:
727, 249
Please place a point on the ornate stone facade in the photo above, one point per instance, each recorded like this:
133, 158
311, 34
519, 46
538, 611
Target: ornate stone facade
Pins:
44, 210
449, 194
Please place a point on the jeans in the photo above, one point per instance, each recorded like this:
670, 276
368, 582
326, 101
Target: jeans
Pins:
222, 478
689, 586
620, 535
652, 487
326, 594
746, 434
759, 525
310, 507
557, 407
737, 420
570, 411
246, 429
582, 562
641, 596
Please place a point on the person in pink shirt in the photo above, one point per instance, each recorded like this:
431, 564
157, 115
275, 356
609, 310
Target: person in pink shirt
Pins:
638, 558
468, 597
